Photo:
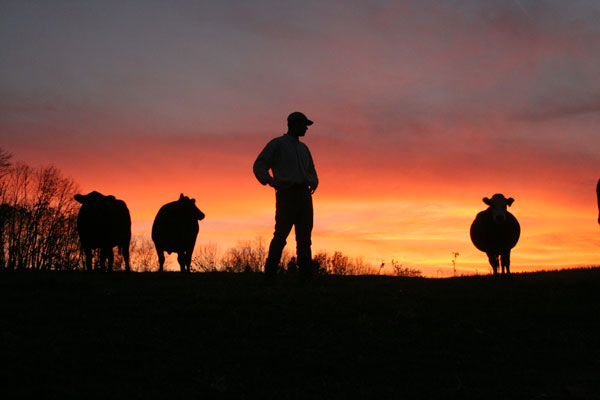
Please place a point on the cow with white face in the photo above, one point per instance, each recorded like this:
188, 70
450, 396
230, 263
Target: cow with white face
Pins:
496, 231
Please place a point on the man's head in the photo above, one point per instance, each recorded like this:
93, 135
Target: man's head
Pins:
298, 124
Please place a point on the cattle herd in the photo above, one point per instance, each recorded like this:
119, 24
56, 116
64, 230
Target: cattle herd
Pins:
104, 223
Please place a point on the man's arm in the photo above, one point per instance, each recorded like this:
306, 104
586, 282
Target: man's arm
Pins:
263, 163
313, 180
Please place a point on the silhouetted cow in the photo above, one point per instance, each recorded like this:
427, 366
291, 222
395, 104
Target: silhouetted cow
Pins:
495, 231
175, 229
598, 196
103, 223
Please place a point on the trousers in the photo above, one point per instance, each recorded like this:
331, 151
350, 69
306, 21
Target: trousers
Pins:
293, 207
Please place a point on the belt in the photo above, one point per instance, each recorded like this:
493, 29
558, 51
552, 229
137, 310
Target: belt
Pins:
296, 187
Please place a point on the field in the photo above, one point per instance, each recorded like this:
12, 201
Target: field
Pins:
150, 335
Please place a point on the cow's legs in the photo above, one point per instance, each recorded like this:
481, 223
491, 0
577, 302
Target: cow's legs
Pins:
88, 258
125, 251
110, 257
505, 258
189, 261
493, 258
184, 259
181, 259
161, 259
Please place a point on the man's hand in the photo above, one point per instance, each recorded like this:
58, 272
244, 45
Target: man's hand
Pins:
312, 188
272, 183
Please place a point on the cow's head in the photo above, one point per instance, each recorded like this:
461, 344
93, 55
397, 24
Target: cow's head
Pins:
498, 204
93, 198
95, 203
190, 206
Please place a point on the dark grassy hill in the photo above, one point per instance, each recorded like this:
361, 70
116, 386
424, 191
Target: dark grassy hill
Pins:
140, 336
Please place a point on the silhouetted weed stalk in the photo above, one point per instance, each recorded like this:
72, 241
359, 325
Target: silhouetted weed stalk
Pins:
455, 254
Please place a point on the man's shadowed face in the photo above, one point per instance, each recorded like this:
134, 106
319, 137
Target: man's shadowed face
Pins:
297, 128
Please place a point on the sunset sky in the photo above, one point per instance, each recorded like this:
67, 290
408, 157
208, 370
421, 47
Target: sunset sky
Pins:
421, 109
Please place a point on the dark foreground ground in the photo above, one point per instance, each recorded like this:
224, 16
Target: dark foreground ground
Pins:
140, 336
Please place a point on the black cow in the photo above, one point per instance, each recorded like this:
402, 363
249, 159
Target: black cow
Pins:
103, 223
598, 196
175, 229
495, 231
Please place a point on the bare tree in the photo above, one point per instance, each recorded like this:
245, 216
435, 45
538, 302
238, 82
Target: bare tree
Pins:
142, 254
341, 264
247, 257
39, 219
357, 266
319, 263
206, 258
5, 209
5, 157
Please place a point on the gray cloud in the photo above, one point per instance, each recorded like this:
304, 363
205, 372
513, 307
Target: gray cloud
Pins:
378, 73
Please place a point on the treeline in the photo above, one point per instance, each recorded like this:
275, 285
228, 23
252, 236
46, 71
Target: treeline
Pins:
38, 230
37, 217
246, 256
250, 256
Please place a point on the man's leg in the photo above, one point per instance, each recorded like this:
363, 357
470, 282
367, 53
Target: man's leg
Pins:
284, 219
304, 225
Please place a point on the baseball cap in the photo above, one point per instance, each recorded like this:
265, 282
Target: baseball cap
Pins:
297, 116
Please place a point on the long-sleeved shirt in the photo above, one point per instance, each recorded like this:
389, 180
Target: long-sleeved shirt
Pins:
291, 163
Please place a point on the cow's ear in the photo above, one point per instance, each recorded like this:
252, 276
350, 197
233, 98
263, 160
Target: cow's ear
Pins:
509, 201
79, 198
181, 196
193, 201
487, 201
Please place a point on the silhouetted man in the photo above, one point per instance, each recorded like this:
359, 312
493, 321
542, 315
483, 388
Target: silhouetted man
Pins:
295, 180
